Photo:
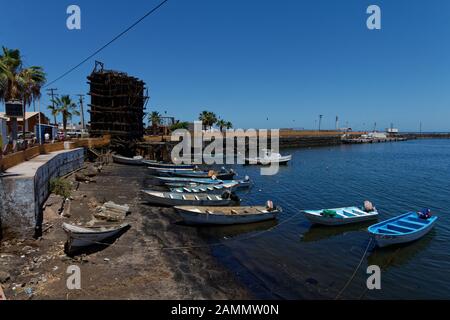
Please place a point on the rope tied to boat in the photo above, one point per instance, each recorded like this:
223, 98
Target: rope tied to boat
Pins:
355, 271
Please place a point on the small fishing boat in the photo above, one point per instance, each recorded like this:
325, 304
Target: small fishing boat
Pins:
226, 215
180, 181
269, 157
189, 199
78, 237
223, 174
152, 164
135, 161
402, 229
215, 188
340, 216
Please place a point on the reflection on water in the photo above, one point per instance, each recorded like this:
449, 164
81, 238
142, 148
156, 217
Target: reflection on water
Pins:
295, 260
317, 232
398, 255
215, 232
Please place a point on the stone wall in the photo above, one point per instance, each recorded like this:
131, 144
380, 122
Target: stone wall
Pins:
22, 196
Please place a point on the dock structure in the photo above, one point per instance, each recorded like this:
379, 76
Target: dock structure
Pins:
117, 104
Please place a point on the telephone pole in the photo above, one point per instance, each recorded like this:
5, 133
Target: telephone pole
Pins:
82, 110
51, 92
320, 120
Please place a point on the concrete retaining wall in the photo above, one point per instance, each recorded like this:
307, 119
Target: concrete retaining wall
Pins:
22, 196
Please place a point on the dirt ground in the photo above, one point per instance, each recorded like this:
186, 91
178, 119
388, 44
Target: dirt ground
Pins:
146, 262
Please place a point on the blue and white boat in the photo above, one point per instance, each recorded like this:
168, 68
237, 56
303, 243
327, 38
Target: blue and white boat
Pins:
223, 174
214, 188
402, 229
180, 181
340, 216
166, 165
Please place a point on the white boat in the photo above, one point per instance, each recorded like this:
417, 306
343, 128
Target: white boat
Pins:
226, 215
339, 216
78, 237
135, 161
268, 158
189, 199
215, 189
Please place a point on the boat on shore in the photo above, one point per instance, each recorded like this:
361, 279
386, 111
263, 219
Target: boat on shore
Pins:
153, 164
135, 161
181, 181
215, 188
189, 199
226, 215
269, 157
340, 216
405, 228
79, 237
183, 173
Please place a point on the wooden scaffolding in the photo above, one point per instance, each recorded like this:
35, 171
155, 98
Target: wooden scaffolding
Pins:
117, 104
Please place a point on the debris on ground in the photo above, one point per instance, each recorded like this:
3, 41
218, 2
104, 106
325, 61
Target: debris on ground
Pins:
111, 212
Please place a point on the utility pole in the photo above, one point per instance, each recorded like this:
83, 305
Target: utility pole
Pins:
320, 120
82, 111
51, 92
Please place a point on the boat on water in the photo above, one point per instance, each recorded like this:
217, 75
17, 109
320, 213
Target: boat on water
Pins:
268, 158
83, 236
223, 174
215, 188
226, 215
152, 164
182, 181
340, 216
405, 228
189, 199
135, 161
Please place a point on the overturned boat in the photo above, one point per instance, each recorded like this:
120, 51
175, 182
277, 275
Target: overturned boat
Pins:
83, 236
189, 199
226, 215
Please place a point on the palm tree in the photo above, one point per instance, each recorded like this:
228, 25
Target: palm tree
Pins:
67, 108
221, 124
228, 125
18, 83
208, 118
54, 111
155, 118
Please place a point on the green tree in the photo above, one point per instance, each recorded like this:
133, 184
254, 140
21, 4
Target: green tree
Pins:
207, 118
54, 112
17, 82
155, 118
228, 125
67, 108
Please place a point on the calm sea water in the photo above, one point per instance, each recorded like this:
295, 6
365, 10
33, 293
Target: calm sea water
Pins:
291, 259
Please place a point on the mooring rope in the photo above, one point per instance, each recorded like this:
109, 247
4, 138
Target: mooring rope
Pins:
222, 243
354, 272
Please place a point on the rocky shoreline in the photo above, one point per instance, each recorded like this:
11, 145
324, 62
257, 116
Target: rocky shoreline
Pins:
157, 258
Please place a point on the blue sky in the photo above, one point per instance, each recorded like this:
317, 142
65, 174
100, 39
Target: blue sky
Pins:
249, 60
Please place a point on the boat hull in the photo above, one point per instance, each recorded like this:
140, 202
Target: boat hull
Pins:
314, 217
216, 219
127, 161
384, 239
79, 239
154, 165
163, 201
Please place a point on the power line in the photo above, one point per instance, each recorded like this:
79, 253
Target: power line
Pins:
107, 44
